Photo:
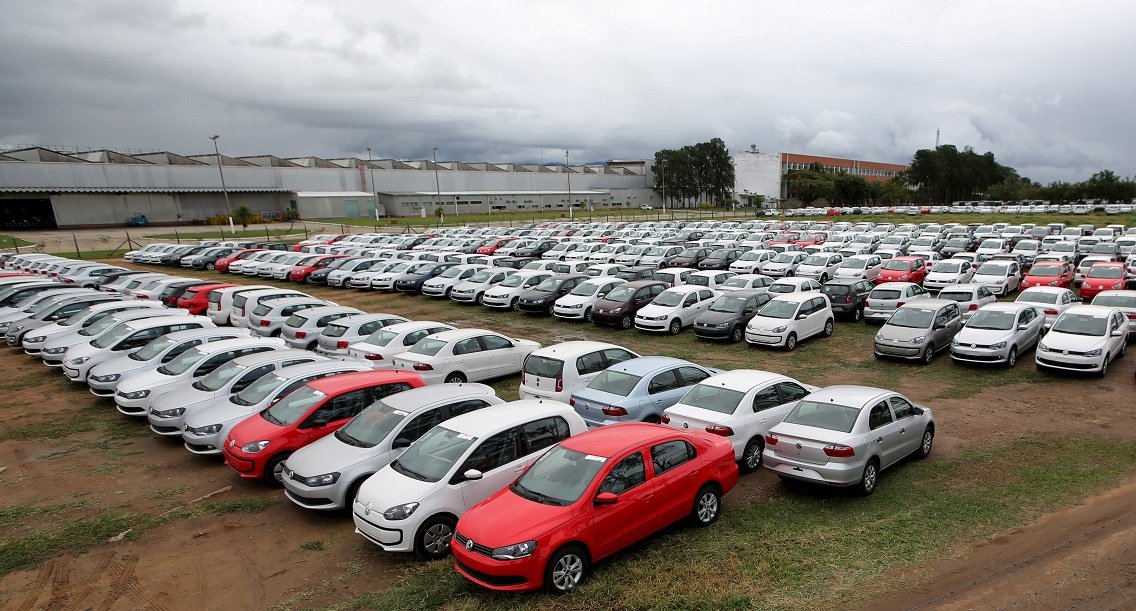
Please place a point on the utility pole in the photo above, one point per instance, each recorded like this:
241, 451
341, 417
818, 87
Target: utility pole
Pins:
374, 187
224, 189
663, 175
568, 172
438, 185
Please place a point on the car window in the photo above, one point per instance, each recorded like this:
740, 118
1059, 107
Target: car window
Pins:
984, 292
625, 475
495, 342
704, 295
494, 452
765, 399
540, 434
590, 363
615, 356
251, 377
668, 455
791, 391
464, 407
663, 382
879, 416
690, 300
902, 407
420, 424
656, 289
467, 346
691, 375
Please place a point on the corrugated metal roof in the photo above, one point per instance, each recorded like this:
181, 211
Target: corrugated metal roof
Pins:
135, 190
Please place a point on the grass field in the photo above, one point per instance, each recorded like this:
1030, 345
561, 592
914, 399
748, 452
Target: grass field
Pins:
7, 241
264, 234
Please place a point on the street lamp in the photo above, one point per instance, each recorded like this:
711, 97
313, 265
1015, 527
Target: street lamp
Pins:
438, 185
568, 172
224, 189
374, 187
663, 175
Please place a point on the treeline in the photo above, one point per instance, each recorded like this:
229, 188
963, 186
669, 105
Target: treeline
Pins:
694, 174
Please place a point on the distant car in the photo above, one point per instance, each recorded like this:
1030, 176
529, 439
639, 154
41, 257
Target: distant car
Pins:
845, 435
1049, 273
674, 309
847, 296
903, 269
465, 355
622, 303
506, 294
636, 390
1103, 277
1001, 277
918, 330
646, 207
998, 333
555, 372
1085, 338
595, 494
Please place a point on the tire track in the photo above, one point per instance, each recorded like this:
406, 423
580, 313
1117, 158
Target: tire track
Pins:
60, 584
121, 574
42, 578
90, 583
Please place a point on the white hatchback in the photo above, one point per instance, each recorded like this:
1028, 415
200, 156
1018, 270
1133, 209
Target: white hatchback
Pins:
674, 309
1085, 338
465, 355
787, 319
578, 303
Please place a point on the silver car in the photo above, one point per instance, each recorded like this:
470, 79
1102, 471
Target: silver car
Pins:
334, 339
998, 333
327, 474
302, 329
104, 377
919, 329
886, 297
845, 435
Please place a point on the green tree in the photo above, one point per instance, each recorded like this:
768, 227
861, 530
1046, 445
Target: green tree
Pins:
243, 215
694, 173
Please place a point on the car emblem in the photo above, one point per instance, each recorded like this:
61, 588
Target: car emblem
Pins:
367, 509
232, 443
469, 544
799, 446
685, 425
1064, 352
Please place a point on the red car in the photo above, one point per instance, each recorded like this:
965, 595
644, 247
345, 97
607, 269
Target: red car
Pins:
810, 239
785, 238
903, 269
258, 446
196, 299
222, 264
1102, 277
1049, 273
300, 273
492, 245
589, 497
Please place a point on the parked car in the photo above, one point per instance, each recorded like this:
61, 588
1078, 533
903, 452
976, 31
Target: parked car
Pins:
401, 508
919, 329
1085, 338
465, 355
751, 262
81, 326
337, 336
784, 265
380, 347
268, 317
555, 372
903, 269
673, 276
123, 338
998, 333
794, 285
728, 315
541, 299
441, 285
845, 435
747, 282
1103, 277
1001, 277
948, 272
104, 377
472, 289
1050, 299
591, 508
741, 406
1049, 273
636, 390
847, 296
883, 299
820, 266
303, 328
637, 272
674, 309
787, 319
578, 303
195, 300
621, 305
244, 303
507, 293
720, 258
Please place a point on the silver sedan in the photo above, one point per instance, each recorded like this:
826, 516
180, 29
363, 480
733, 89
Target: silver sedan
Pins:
998, 333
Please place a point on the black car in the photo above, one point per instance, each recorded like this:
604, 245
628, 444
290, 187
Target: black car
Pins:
535, 250
208, 258
174, 256
636, 272
271, 245
320, 275
539, 299
169, 295
514, 262
412, 284
689, 257
957, 244
729, 314
720, 258
847, 296
112, 276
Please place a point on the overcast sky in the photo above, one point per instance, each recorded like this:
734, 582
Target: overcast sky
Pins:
1046, 86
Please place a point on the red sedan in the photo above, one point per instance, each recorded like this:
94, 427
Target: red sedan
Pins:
903, 269
493, 245
589, 497
258, 446
222, 264
196, 299
1049, 273
1102, 277
300, 272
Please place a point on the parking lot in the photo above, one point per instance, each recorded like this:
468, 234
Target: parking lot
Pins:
1012, 445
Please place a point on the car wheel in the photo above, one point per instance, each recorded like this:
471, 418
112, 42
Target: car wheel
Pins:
548, 310
925, 446
1104, 368
752, 455
868, 479
588, 315
566, 569
1012, 357
823, 278
446, 294
857, 314
789, 274
274, 469
737, 335
828, 328
928, 354
676, 327
456, 377
515, 304
791, 342
480, 299
707, 506
433, 539
210, 266
625, 322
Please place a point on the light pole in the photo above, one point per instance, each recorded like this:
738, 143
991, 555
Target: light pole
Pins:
374, 187
663, 175
224, 189
438, 185
568, 173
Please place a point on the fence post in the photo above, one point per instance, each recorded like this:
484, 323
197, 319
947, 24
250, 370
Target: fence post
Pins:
267, 237
222, 232
177, 236
78, 255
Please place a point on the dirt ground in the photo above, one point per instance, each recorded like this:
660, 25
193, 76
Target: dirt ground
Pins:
1080, 556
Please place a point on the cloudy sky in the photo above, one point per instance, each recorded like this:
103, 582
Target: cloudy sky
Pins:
1046, 86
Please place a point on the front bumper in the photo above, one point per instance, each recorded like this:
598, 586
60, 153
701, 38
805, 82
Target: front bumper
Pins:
715, 332
391, 536
652, 325
903, 351
971, 353
518, 575
1068, 362
246, 467
765, 338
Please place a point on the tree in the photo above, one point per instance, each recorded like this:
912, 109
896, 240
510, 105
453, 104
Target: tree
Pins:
244, 215
695, 172
945, 174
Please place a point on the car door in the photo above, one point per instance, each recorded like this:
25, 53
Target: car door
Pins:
469, 358
674, 468
1029, 328
499, 460
632, 516
885, 433
817, 316
910, 433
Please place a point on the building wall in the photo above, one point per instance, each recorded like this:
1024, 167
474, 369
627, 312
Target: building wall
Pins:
757, 173
91, 209
873, 171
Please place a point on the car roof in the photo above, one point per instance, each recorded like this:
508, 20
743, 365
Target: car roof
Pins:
425, 396
903, 285
272, 356
240, 342
646, 364
289, 300
321, 366
687, 288
414, 325
845, 280
1046, 289
456, 334
490, 420
928, 304
797, 297
573, 349
157, 321
635, 284
327, 309
965, 287
742, 380
795, 281
1007, 306
334, 385
1091, 309
611, 440
849, 395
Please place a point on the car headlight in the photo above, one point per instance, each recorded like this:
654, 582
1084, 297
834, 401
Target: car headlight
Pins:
918, 340
110, 377
780, 329
79, 360
138, 394
515, 551
326, 479
254, 447
35, 339
16, 328
400, 512
616, 310
998, 345
55, 351
1096, 352
1053, 283
4, 325
170, 413
211, 429
1042, 347
903, 277
956, 342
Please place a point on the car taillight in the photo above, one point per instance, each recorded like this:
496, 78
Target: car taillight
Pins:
1132, 316
972, 307
341, 345
264, 323
771, 439
848, 298
560, 384
839, 451
374, 357
718, 429
572, 401
301, 334
423, 367
866, 304
899, 304
665, 419
1052, 312
611, 410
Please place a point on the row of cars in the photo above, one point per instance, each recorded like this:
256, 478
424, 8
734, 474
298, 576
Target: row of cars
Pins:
641, 442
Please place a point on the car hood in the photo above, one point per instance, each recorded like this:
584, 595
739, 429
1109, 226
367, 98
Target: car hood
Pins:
120, 364
219, 411
715, 318
528, 520
83, 349
903, 334
574, 299
943, 275
387, 488
257, 429
980, 278
607, 304
414, 277
146, 381
186, 395
1057, 340
533, 294
983, 337
328, 455
656, 310
767, 324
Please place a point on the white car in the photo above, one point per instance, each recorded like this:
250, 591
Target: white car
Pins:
752, 261
1123, 300
413, 503
948, 272
335, 338
674, 309
104, 377
990, 247
557, 371
1001, 277
1052, 300
970, 297
473, 289
794, 285
785, 264
865, 267
578, 303
81, 326
267, 318
747, 282
342, 275
465, 355
1085, 338
124, 338
379, 348
506, 294
820, 266
741, 405
789, 318
302, 329
443, 283
220, 306
245, 303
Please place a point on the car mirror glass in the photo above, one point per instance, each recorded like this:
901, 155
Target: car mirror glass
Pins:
401, 442
471, 475
606, 498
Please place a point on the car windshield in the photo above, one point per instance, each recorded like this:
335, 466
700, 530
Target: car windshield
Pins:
424, 269
543, 366
991, 244
993, 320
620, 293
427, 346
750, 256
713, 398
219, 377
830, 416
782, 287
559, 477
111, 338
1107, 272
371, 426
784, 258
1037, 297
293, 406
992, 269
182, 362
153, 349
669, 299
961, 296
614, 382
1048, 271
698, 280
514, 281
398, 268
452, 272
912, 318
817, 260
560, 268
258, 390
728, 303
430, 458
481, 277
854, 264
334, 330
783, 310
737, 283
98, 323
897, 266
548, 285
1081, 324
586, 289
1115, 301
947, 267
655, 252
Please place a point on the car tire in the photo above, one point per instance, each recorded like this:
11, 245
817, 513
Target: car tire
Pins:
432, 542
626, 322
675, 328
210, 266
752, 455
456, 377
928, 354
515, 305
588, 315
707, 506
869, 478
1104, 368
273, 469
791, 342
479, 299
548, 310
823, 278
737, 335
925, 445
857, 314
565, 570
1012, 357
828, 326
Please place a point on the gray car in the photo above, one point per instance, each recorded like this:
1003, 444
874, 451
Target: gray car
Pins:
886, 297
997, 333
919, 329
637, 390
847, 296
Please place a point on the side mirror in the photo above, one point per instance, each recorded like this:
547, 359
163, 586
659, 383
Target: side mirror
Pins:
401, 442
1022, 327
1118, 333
802, 316
318, 422
606, 498
472, 475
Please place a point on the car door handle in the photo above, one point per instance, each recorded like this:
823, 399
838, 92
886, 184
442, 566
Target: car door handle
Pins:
519, 469
902, 431
879, 439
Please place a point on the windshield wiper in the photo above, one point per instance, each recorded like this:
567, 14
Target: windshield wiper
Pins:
269, 417
533, 495
398, 466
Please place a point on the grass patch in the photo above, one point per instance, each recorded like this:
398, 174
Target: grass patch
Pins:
828, 544
52, 429
225, 234
7, 241
253, 505
170, 492
71, 536
313, 546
